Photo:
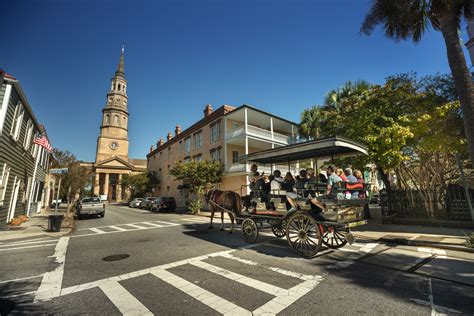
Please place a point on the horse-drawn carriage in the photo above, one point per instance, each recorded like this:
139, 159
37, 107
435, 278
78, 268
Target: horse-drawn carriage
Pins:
307, 226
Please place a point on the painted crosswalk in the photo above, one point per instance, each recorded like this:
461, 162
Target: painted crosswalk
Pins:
29, 244
122, 228
281, 297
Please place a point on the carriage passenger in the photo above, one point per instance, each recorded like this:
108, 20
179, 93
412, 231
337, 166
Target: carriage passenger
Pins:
331, 190
341, 174
288, 182
275, 185
360, 180
299, 185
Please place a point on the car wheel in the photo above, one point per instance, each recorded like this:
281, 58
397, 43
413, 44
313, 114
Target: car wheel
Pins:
102, 214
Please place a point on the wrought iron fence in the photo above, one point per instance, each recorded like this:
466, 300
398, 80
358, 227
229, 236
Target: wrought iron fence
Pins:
450, 204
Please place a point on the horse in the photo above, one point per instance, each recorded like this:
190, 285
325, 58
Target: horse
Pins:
221, 200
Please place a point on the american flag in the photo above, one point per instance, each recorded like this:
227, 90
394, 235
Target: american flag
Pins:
43, 141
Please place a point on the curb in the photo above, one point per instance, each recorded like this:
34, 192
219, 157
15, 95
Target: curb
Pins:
418, 243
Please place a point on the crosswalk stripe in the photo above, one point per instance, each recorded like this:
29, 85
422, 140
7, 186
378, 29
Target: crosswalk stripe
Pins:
136, 226
27, 247
118, 228
167, 223
152, 224
126, 303
24, 243
259, 285
98, 231
215, 302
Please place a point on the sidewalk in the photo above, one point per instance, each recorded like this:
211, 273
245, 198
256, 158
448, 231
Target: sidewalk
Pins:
36, 226
410, 235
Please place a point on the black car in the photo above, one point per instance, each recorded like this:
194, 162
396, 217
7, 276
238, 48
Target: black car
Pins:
164, 202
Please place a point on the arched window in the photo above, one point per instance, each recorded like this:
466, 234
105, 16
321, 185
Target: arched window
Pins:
119, 87
124, 120
107, 119
116, 119
114, 86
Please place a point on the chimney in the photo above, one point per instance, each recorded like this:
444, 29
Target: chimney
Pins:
207, 110
151, 148
169, 137
177, 130
159, 143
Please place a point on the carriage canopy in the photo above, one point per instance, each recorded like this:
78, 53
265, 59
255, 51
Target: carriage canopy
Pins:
327, 147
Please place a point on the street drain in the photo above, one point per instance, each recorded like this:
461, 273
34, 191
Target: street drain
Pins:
116, 257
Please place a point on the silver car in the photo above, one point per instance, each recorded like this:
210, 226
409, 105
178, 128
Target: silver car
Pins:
146, 203
135, 202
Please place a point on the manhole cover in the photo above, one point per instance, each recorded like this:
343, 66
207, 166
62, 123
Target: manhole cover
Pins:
119, 256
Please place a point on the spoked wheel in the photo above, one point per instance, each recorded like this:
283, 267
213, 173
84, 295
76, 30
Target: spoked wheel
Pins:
279, 229
334, 237
303, 234
249, 230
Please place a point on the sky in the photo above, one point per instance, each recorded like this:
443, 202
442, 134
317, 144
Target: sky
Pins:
281, 56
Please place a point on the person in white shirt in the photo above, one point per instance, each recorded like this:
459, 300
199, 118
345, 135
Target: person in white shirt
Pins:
275, 185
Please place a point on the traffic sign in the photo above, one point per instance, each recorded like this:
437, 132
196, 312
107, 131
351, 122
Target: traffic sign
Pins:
58, 171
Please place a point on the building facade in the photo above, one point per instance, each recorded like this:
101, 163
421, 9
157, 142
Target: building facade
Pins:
23, 164
112, 161
224, 135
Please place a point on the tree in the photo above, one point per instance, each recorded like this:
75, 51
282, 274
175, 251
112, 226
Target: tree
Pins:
77, 177
409, 19
136, 184
334, 97
312, 120
198, 175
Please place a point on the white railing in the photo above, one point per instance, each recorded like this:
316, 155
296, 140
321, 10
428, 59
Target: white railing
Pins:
236, 167
260, 132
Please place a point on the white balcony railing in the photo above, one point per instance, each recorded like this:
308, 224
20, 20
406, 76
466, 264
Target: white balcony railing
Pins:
236, 167
261, 133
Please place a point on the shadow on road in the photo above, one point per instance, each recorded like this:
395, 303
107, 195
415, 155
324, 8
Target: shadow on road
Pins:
15, 298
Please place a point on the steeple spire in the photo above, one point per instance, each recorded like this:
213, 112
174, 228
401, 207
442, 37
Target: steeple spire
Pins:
121, 66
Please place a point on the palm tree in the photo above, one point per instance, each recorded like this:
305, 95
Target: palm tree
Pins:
312, 120
334, 97
409, 19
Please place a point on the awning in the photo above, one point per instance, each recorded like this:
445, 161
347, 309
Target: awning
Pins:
328, 147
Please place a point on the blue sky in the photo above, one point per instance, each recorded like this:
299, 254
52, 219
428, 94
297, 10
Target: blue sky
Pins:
280, 55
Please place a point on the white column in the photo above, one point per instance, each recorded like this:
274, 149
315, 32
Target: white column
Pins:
96, 184
119, 188
225, 144
246, 138
106, 185
32, 187
3, 109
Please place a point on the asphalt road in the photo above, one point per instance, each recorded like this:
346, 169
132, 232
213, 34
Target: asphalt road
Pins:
136, 262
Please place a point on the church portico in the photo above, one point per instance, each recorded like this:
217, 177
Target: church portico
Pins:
112, 162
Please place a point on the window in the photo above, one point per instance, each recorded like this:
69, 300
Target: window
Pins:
198, 157
116, 119
198, 140
215, 132
187, 146
4, 174
216, 154
119, 86
235, 126
180, 148
107, 119
17, 121
29, 134
235, 156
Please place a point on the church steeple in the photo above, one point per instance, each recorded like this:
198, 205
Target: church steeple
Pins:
121, 66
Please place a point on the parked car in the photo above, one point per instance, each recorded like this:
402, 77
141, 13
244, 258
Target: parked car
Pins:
90, 206
135, 202
146, 203
164, 202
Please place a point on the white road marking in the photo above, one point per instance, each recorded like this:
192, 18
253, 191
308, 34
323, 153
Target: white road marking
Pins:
436, 310
125, 302
19, 294
118, 228
22, 279
51, 283
282, 297
26, 247
432, 251
98, 231
365, 249
194, 220
213, 301
136, 226
261, 286
152, 224
28, 241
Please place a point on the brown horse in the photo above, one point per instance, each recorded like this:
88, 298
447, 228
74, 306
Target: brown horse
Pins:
219, 200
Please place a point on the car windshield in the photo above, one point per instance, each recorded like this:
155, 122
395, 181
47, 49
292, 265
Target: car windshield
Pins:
91, 200
151, 198
138, 199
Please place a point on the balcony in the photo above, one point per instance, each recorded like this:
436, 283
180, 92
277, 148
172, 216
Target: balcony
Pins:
260, 133
236, 167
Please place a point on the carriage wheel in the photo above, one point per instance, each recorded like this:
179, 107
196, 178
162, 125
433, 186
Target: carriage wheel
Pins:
303, 234
334, 238
249, 230
279, 229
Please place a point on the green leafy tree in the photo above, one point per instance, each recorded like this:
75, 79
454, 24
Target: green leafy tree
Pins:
76, 179
334, 97
312, 121
136, 184
198, 175
410, 19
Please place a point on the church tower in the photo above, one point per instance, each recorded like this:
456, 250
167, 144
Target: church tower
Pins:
113, 138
